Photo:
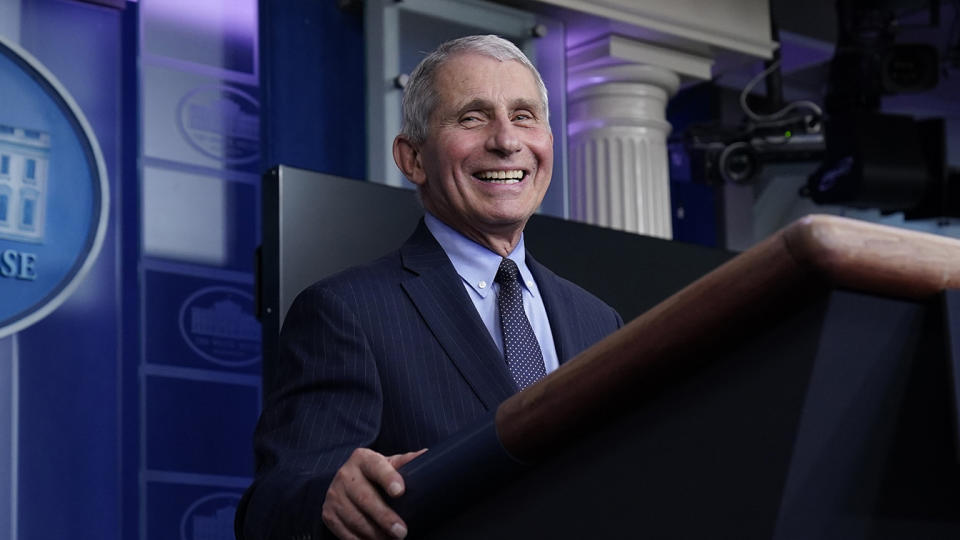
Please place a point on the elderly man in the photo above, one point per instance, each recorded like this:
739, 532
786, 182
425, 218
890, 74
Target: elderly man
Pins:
380, 362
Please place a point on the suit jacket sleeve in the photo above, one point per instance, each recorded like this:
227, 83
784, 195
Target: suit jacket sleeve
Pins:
328, 403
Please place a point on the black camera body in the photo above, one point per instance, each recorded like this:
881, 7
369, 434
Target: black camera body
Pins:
720, 155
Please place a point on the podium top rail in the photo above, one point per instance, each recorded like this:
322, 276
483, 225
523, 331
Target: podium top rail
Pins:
874, 258
815, 253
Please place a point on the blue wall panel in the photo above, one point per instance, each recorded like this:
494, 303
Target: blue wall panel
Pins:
312, 58
130, 426
175, 335
69, 364
198, 426
190, 512
199, 193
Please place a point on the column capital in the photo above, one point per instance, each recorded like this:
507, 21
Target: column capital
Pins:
621, 79
612, 56
625, 95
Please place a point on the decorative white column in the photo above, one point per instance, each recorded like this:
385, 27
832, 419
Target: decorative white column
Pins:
617, 94
617, 128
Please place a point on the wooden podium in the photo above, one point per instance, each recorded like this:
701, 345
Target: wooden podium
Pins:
808, 388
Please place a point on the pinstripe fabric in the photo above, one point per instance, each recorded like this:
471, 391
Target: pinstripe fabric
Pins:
391, 356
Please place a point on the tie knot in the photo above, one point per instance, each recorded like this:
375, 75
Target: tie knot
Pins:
507, 273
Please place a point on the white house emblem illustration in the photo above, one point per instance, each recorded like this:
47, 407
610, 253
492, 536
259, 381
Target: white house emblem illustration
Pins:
24, 162
218, 324
217, 526
226, 319
221, 122
210, 517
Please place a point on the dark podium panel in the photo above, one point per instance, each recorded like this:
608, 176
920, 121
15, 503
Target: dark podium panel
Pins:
317, 224
835, 421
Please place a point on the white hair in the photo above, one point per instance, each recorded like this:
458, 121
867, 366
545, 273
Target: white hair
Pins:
420, 97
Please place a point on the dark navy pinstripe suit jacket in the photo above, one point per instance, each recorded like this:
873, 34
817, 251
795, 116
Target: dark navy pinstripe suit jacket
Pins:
391, 356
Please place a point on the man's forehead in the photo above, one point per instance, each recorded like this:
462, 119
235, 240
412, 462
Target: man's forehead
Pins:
462, 81
462, 65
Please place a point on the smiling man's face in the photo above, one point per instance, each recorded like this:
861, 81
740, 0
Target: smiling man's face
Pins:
488, 158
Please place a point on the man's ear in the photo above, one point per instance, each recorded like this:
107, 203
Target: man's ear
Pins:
407, 156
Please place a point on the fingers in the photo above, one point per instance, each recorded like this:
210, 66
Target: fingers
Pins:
381, 471
351, 527
341, 514
399, 460
354, 507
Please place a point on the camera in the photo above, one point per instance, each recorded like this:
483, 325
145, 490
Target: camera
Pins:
738, 156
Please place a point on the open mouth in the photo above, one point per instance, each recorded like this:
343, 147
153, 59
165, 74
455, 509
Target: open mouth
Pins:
501, 177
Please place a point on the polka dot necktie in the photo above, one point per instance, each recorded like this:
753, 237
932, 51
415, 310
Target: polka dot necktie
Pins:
520, 345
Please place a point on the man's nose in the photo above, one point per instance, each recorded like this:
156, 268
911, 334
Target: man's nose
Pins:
503, 138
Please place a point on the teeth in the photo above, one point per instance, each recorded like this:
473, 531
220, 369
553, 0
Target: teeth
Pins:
512, 177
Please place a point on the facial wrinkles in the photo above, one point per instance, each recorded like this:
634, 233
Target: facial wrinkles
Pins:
497, 91
484, 173
488, 106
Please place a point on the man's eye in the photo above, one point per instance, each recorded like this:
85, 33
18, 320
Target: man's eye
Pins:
521, 117
469, 120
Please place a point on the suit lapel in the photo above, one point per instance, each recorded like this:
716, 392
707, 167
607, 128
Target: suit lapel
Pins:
438, 293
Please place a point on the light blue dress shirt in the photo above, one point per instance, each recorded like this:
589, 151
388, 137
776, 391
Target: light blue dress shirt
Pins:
477, 267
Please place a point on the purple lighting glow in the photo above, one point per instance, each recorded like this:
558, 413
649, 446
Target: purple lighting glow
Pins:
216, 33
208, 16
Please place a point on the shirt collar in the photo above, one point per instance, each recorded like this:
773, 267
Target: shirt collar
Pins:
476, 264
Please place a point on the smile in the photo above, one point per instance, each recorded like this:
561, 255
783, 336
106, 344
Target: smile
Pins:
501, 177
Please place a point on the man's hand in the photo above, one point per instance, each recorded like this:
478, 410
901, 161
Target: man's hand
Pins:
354, 508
